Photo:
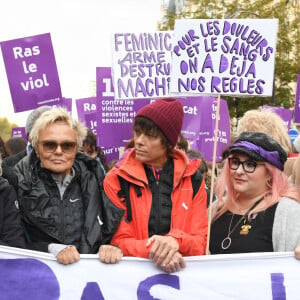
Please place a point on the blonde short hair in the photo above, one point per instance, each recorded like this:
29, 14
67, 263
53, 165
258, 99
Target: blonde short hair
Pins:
57, 115
267, 121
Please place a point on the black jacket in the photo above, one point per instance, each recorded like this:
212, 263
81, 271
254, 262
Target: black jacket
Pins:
74, 220
11, 231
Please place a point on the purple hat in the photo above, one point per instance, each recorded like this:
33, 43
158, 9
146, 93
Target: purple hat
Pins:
167, 115
260, 147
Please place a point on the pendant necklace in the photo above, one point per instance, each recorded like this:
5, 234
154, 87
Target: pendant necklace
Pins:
226, 243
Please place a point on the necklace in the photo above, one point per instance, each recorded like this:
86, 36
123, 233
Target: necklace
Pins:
226, 243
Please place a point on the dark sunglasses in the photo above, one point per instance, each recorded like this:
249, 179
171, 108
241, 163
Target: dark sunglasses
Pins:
51, 146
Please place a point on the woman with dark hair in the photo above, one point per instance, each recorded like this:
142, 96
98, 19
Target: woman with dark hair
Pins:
15, 145
90, 147
3, 150
165, 218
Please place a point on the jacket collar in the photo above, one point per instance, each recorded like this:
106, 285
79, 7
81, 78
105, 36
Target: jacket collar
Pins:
133, 170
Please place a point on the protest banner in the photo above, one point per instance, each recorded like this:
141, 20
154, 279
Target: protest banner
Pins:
297, 101
141, 64
35, 275
86, 106
285, 114
19, 132
233, 57
31, 72
115, 118
199, 125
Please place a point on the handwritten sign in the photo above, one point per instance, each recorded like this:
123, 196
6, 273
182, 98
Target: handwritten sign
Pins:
142, 64
233, 57
31, 72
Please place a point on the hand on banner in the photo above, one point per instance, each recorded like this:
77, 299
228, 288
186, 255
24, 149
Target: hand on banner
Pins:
297, 252
163, 249
110, 254
68, 255
176, 264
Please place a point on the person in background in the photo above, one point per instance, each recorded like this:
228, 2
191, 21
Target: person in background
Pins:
267, 121
59, 190
11, 230
15, 145
90, 147
203, 168
295, 173
257, 210
3, 150
165, 218
8, 164
183, 143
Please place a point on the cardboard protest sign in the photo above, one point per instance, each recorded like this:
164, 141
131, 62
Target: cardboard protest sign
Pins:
31, 71
297, 102
232, 57
141, 64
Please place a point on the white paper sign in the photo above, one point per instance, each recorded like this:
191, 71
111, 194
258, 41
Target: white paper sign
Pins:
142, 64
232, 57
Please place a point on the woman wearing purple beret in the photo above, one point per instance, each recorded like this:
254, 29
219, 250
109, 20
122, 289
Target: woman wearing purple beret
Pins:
257, 209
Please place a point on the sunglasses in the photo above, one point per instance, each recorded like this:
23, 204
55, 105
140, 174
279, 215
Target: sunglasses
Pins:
51, 146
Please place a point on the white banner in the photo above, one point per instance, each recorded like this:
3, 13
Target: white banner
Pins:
34, 275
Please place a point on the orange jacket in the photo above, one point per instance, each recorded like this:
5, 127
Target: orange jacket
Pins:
188, 217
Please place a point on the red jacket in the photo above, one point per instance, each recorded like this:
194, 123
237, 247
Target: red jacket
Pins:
188, 218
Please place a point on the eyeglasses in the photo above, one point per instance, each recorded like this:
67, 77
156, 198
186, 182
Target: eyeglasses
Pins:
249, 166
51, 146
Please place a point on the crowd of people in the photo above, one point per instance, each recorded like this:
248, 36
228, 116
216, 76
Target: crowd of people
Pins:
58, 193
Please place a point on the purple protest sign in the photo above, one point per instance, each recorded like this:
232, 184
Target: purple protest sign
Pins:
285, 114
19, 132
85, 106
67, 103
199, 125
115, 118
297, 102
91, 122
104, 85
31, 71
